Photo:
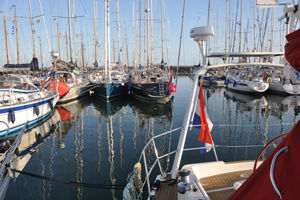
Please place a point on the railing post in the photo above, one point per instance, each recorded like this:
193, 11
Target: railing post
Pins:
155, 150
147, 175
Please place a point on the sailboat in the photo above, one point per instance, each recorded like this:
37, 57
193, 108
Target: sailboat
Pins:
114, 82
274, 178
151, 83
72, 84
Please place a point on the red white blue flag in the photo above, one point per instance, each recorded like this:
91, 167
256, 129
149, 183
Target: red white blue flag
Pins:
201, 118
49, 76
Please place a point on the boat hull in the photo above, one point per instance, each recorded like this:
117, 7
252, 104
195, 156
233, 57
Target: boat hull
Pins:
75, 92
151, 92
110, 91
249, 88
26, 112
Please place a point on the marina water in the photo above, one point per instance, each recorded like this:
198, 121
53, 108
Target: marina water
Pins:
93, 141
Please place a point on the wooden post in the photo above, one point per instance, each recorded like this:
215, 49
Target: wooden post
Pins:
6, 41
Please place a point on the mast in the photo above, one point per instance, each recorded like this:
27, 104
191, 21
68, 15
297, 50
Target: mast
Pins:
118, 30
33, 32
82, 49
70, 35
95, 31
140, 51
162, 35
240, 45
272, 30
67, 45
76, 36
145, 16
105, 39
16, 24
148, 31
41, 52
45, 26
226, 25
6, 41
58, 39
108, 40
152, 36
133, 38
127, 58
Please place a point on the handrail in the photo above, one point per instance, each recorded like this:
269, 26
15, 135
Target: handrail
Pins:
159, 157
12, 150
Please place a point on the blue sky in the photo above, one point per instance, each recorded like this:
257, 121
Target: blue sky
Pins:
85, 26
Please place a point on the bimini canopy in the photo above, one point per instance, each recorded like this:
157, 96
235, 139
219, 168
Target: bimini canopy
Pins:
33, 66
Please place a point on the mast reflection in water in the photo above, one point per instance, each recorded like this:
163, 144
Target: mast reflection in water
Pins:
98, 142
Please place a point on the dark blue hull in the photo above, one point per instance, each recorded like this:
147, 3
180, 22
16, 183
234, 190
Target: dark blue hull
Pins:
109, 91
151, 91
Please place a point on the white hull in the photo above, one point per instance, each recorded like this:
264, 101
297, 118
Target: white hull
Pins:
75, 92
252, 87
26, 112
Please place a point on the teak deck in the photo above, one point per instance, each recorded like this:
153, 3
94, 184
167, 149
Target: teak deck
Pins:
166, 191
222, 181
227, 180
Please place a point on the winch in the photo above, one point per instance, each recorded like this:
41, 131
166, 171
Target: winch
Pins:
185, 184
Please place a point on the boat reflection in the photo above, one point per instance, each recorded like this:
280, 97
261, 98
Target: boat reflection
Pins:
31, 141
110, 118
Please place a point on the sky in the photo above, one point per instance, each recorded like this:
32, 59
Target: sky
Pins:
56, 13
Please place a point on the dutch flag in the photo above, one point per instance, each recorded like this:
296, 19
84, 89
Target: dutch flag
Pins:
201, 118
49, 76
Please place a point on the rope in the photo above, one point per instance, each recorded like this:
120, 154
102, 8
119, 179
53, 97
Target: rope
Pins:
91, 185
246, 125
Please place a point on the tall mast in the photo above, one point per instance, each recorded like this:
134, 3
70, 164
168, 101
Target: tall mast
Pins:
105, 39
45, 26
16, 24
254, 24
95, 31
6, 41
58, 39
240, 42
41, 52
118, 30
75, 36
145, 16
226, 25
133, 38
108, 39
152, 36
70, 33
82, 49
272, 31
140, 47
148, 31
162, 35
127, 58
67, 45
33, 32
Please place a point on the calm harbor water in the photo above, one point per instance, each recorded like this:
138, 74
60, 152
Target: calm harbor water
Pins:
98, 142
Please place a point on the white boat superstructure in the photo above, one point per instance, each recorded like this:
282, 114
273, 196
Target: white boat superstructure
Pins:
78, 86
279, 83
247, 81
22, 101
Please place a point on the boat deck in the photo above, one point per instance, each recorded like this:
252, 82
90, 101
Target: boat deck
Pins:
166, 191
223, 183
